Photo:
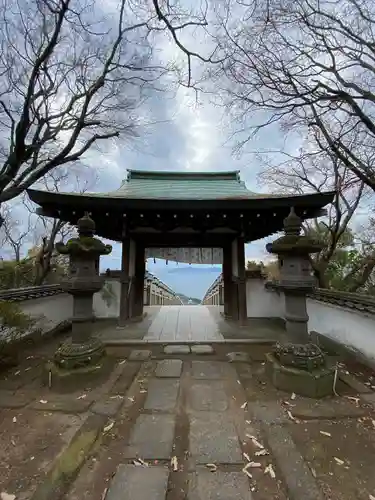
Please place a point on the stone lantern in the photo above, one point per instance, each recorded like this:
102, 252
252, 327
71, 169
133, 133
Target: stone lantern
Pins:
297, 365
83, 352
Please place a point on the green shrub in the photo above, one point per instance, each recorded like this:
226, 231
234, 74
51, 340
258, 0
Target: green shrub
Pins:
14, 324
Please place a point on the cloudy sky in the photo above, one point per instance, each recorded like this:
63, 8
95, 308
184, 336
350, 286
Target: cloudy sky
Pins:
192, 139
185, 132
191, 134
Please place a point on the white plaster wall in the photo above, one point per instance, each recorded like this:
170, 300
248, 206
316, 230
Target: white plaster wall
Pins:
263, 303
346, 326
49, 311
109, 308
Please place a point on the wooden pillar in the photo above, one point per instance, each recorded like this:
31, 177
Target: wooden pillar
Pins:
227, 279
124, 283
241, 271
234, 279
139, 278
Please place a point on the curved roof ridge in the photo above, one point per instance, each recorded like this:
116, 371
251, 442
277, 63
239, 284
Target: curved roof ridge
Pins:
189, 175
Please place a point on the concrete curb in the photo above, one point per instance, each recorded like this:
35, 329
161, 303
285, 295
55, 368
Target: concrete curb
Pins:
133, 342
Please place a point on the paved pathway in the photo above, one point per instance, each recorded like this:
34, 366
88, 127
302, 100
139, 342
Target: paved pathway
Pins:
184, 323
205, 430
196, 428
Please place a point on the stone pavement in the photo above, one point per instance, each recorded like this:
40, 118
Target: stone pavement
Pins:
195, 427
193, 324
184, 323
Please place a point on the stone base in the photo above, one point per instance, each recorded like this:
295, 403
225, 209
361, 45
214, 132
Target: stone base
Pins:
75, 379
71, 355
312, 384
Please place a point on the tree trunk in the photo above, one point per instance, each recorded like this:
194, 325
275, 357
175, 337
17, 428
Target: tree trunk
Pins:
319, 269
363, 277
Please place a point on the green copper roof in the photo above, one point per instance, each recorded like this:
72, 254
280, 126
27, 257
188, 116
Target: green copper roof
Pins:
141, 184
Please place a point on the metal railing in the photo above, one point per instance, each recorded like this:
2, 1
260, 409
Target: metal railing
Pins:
30, 292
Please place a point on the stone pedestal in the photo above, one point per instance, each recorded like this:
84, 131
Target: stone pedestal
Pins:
81, 356
301, 369
298, 366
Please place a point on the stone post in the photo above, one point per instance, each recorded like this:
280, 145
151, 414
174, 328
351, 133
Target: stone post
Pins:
297, 366
83, 351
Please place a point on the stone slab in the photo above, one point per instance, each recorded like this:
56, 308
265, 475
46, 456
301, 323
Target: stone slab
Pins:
162, 394
202, 349
354, 383
151, 438
139, 355
208, 396
107, 407
138, 483
169, 368
8, 399
238, 357
204, 485
339, 408
268, 412
213, 439
176, 349
64, 405
369, 398
208, 369
296, 474
244, 370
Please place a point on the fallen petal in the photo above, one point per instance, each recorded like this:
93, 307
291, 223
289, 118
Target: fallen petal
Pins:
269, 470
244, 405
352, 398
292, 417
261, 453
174, 463
325, 433
7, 496
212, 467
254, 465
108, 427
43, 401
339, 461
246, 471
255, 441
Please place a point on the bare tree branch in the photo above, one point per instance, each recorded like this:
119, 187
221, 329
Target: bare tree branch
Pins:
304, 64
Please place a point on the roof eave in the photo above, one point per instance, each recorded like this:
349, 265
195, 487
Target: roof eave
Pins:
318, 200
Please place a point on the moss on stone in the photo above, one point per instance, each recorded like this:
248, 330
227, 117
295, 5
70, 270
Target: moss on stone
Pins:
83, 244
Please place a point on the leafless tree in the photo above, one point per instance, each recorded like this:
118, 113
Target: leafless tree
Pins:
73, 73
313, 169
47, 231
15, 233
304, 64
